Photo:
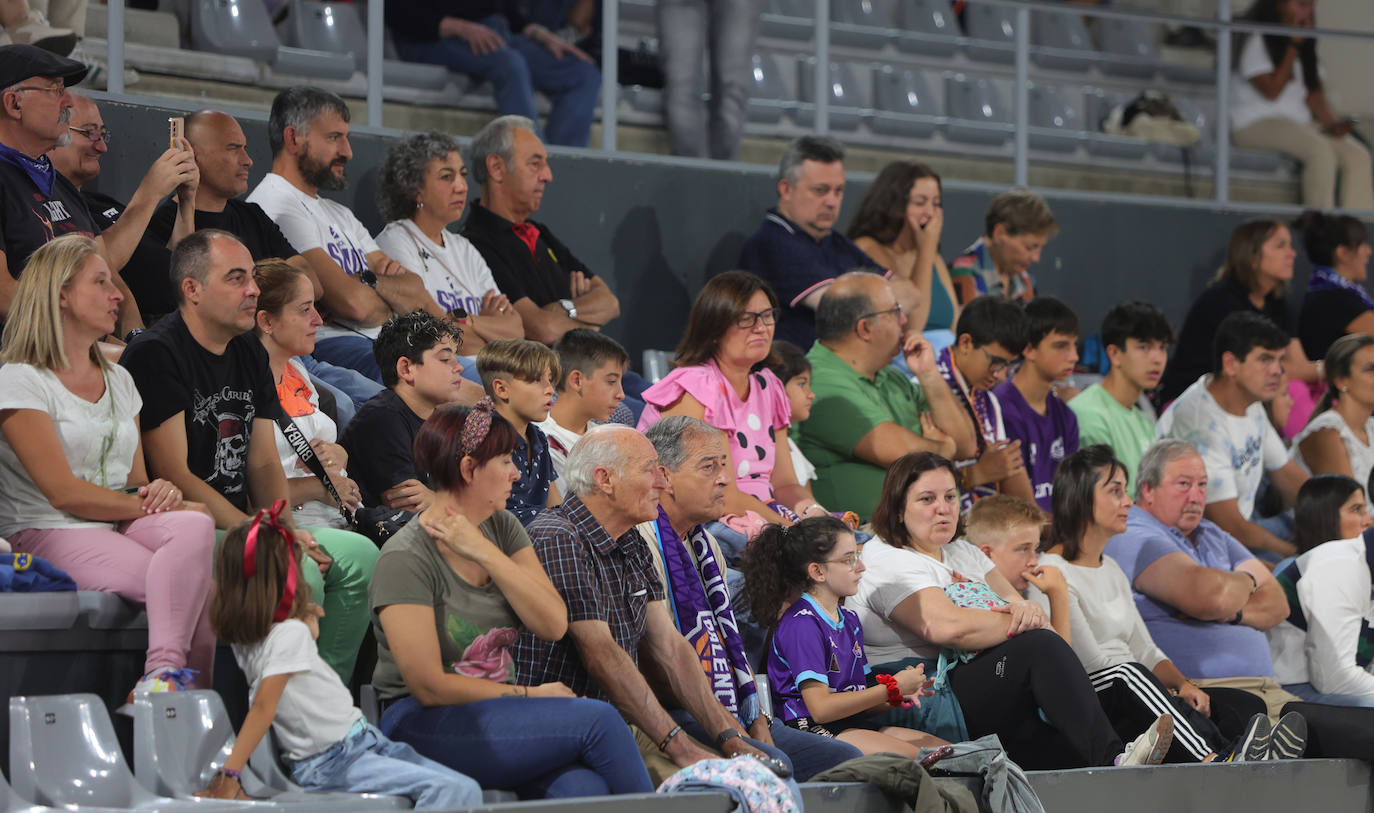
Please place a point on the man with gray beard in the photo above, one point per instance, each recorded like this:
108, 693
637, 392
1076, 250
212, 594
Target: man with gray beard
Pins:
37, 203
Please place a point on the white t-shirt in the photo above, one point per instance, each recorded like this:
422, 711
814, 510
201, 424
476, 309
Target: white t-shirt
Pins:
1361, 455
800, 465
315, 426
315, 711
1248, 105
561, 440
1105, 626
894, 574
321, 223
98, 439
454, 274
1238, 449
1334, 594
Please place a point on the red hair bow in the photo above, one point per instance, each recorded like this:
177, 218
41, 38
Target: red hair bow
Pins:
272, 516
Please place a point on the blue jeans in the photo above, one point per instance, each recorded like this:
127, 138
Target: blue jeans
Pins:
357, 387
365, 761
352, 352
1309, 693
515, 72
538, 747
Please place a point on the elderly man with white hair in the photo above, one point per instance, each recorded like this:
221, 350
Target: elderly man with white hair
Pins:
616, 611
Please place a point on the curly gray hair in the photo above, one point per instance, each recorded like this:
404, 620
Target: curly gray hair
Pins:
403, 172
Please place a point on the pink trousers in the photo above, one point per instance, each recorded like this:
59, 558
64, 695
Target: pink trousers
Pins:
161, 561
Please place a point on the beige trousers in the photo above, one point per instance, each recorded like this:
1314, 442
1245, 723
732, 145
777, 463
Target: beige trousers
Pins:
1267, 689
1323, 160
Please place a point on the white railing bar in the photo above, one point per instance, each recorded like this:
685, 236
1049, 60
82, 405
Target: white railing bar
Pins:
1021, 158
376, 25
822, 80
114, 59
610, 74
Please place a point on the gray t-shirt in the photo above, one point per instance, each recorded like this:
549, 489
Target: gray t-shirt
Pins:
475, 625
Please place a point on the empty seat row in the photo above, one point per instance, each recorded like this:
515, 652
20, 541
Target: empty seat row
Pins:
65, 610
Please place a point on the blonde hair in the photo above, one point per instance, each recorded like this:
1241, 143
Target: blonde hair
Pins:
990, 518
33, 330
517, 358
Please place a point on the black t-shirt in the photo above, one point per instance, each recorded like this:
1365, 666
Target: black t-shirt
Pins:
380, 441
220, 396
148, 271
543, 276
1325, 317
28, 218
419, 22
1193, 356
246, 221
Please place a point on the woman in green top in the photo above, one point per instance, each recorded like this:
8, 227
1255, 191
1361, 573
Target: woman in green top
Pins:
898, 225
449, 595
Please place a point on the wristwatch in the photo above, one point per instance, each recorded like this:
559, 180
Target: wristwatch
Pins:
569, 307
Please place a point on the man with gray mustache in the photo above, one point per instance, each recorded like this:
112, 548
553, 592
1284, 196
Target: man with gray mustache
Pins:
37, 203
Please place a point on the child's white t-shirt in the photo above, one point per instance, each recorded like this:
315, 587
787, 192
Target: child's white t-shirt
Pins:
315, 711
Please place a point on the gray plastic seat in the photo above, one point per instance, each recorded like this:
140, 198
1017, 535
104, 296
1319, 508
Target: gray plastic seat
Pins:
1062, 39
897, 94
645, 100
1058, 126
860, 23
182, 738
928, 27
845, 101
107, 611
10, 803
63, 753
337, 29
788, 19
39, 611
1097, 106
657, 364
1128, 48
242, 28
991, 33
975, 99
1204, 152
767, 95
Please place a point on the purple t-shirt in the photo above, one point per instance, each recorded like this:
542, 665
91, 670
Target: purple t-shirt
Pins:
1200, 649
1045, 439
810, 645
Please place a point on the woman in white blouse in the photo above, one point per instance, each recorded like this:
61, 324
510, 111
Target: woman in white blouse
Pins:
1338, 437
421, 189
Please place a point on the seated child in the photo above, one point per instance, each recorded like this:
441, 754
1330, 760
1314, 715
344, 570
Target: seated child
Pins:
793, 369
817, 671
589, 391
518, 375
262, 607
1007, 530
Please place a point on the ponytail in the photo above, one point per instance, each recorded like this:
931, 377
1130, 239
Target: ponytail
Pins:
777, 562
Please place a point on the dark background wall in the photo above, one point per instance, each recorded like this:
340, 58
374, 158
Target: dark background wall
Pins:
657, 230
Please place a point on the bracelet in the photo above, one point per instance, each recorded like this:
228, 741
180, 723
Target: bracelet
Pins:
894, 694
663, 743
725, 736
232, 774
1240, 616
1254, 583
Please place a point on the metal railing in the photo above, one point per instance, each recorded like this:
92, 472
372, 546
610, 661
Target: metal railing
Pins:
1223, 26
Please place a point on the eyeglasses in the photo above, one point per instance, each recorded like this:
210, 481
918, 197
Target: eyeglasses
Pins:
747, 320
996, 364
850, 559
103, 134
56, 91
894, 310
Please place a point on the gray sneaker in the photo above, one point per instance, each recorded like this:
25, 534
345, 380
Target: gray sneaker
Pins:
1289, 740
1253, 745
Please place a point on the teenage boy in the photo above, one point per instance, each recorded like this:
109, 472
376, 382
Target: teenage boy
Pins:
990, 332
1031, 411
1016, 227
418, 356
589, 391
518, 375
1007, 530
1222, 415
1136, 336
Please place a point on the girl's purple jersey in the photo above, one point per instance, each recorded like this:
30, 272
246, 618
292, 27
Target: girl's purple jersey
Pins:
810, 645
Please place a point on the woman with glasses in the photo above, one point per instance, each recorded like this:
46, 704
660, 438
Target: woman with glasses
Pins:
721, 377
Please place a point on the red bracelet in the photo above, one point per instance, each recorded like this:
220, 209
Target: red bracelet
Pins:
894, 695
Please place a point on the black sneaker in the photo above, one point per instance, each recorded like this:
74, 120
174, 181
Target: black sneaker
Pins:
1289, 739
1253, 745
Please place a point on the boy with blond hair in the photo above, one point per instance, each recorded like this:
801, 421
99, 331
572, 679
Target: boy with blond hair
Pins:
589, 390
518, 375
1007, 530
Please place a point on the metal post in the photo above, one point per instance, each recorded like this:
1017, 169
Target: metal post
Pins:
610, 73
115, 57
1021, 160
376, 24
1222, 125
822, 80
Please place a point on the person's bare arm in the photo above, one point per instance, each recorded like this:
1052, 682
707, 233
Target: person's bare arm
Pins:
930, 614
545, 325
402, 289
33, 438
1324, 452
1204, 593
665, 646
952, 418
496, 319
1298, 365
343, 296
1018, 485
171, 169
1268, 605
301, 264
596, 303
1271, 84
1320, 106
1226, 513
164, 448
255, 726
1288, 478
888, 442
826, 706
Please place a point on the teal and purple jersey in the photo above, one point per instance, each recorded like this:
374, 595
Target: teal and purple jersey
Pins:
810, 645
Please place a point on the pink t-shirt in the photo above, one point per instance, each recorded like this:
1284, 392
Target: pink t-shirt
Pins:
750, 422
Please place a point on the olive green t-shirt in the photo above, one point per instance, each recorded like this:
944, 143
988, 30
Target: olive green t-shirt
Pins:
471, 622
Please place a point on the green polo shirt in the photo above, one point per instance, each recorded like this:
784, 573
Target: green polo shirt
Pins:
1102, 419
848, 406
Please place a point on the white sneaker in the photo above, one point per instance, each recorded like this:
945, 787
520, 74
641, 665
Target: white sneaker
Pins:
34, 30
1150, 747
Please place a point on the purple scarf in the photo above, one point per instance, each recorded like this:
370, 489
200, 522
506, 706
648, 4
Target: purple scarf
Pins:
1326, 279
700, 604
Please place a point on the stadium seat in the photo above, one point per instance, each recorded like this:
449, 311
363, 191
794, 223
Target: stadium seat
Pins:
860, 23
767, 94
657, 364
1203, 117
337, 29
975, 99
242, 28
1052, 110
645, 100
107, 611
788, 19
10, 803
63, 753
897, 94
38, 611
1062, 41
1097, 106
1128, 47
991, 33
845, 97
929, 28
640, 11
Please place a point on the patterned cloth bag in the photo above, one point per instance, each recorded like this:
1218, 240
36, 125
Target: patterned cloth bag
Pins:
754, 788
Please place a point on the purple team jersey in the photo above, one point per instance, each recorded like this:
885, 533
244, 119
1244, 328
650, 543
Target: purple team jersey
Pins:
1045, 439
809, 645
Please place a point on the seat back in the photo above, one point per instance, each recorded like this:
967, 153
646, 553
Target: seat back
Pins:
843, 88
873, 13
1061, 29
180, 740
929, 17
794, 8
1051, 107
1129, 38
325, 26
238, 27
990, 23
974, 99
765, 78
63, 752
657, 363
902, 90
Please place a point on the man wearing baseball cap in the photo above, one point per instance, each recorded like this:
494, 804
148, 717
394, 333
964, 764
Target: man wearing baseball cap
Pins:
37, 203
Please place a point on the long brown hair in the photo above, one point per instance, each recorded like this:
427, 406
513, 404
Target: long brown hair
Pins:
714, 311
888, 517
1243, 253
882, 214
241, 608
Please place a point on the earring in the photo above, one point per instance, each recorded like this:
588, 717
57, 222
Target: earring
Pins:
1345, 389
419, 204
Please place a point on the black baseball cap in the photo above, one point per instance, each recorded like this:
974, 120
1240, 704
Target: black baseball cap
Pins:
20, 62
